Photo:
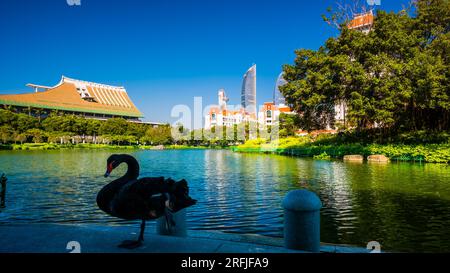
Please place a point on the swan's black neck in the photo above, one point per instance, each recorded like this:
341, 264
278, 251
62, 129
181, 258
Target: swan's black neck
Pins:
133, 167
106, 195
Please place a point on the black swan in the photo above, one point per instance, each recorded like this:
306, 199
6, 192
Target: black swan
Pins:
142, 199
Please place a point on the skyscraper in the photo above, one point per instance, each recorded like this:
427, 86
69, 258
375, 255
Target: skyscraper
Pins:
278, 98
248, 95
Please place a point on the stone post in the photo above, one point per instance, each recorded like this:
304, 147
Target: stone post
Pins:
302, 221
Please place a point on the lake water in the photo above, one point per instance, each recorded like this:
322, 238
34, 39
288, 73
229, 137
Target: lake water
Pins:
405, 207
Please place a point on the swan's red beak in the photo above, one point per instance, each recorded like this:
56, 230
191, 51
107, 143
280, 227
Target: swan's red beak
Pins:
109, 170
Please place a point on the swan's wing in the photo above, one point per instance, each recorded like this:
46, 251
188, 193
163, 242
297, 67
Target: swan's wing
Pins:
149, 186
152, 180
134, 200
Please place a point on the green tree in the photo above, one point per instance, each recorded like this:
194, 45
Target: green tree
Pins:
25, 122
7, 117
36, 135
137, 129
20, 137
65, 123
289, 124
6, 133
395, 78
160, 135
93, 127
114, 126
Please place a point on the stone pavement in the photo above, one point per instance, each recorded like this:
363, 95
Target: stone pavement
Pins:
54, 238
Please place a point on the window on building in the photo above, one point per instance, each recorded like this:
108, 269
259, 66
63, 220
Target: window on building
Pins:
269, 114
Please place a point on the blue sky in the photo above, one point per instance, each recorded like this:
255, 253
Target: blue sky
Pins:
164, 52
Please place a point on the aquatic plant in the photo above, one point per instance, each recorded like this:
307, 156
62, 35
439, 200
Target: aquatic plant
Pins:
322, 156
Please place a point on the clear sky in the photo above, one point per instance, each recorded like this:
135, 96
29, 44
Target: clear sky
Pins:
164, 52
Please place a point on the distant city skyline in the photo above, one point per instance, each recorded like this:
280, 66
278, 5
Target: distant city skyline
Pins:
163, 53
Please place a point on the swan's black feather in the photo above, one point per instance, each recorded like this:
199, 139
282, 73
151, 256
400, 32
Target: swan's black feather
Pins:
131, 198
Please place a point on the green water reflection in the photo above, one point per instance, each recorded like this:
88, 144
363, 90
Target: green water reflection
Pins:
406, 207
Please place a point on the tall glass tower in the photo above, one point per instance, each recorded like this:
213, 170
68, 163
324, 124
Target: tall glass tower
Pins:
248, 95
278, 98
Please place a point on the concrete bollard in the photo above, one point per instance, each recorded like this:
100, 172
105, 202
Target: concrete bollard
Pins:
302, 220
180, 228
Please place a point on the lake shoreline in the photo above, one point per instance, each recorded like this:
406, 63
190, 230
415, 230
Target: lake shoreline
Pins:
431, 153
420, 153
52, 146
322, 154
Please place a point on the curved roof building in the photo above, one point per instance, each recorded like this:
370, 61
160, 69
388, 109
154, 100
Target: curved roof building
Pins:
78, 97
248, 94
278, 98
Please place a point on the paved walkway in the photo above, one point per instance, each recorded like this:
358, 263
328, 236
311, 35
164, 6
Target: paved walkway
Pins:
52, 238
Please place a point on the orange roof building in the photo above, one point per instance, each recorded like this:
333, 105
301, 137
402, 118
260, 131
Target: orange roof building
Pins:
362, 22
270, 112
77, 97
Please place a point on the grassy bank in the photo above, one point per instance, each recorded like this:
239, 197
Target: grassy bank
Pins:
304, 146
184, 147
52, 146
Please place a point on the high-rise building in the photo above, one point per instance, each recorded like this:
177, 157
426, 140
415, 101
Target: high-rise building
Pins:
248, 94
278, 98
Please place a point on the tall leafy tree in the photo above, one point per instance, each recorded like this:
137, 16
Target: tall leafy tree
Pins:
394, 78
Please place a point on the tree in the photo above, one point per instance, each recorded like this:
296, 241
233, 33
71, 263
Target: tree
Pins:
345, 11
310, 86
114, 126
395, 78
52, 123
59, 137
289, 124
5, 133
93, 127
36, 135
20, 138
7, 117
137, 130
66, 123
160, 135
25, 122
